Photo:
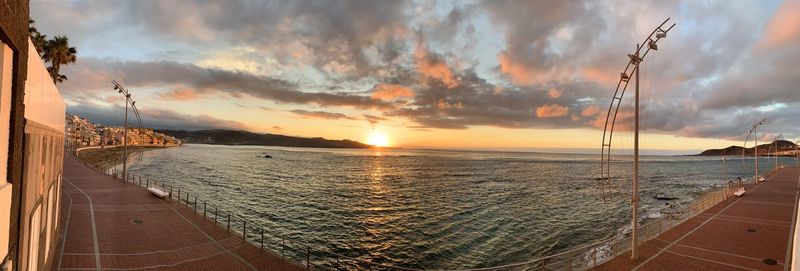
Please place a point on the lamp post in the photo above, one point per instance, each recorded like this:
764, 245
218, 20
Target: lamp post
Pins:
775, 143
631, 72
122, 90
754, 132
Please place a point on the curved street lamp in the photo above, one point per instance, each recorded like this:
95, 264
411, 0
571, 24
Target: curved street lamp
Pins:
631, 69
753, 131
122, 90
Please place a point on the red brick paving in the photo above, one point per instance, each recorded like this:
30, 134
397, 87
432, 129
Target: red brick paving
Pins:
718, 239
171, 237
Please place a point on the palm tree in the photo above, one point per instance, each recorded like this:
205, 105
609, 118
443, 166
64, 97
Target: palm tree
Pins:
58, 52
39, 40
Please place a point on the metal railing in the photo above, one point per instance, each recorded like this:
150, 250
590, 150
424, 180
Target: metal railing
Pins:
309, 257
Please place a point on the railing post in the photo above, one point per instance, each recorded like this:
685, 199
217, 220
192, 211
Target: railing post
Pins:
308, 257
262, 238
229, 222
179, 195
204, 209
659, 225
215, 214
570, 262
244, 229
170, 191
148, 183
195, 203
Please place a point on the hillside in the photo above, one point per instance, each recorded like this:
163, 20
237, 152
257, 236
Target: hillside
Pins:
230, 137
763, 149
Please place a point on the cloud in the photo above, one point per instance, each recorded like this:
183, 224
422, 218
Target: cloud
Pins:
551, 111
320, 114
180, 94
454, 66
154, 118
373, 120
554, 93
784, 26
590, 110
433, 66
91, 78
390, 92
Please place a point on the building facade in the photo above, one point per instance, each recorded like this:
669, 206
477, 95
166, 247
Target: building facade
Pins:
31, 147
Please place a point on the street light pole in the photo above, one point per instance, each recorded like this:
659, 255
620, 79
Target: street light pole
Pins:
125, 140
635, 188
755, 137
128, 101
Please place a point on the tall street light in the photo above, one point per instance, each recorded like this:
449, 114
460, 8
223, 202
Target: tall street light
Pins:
631, 70
754, 132
122, 90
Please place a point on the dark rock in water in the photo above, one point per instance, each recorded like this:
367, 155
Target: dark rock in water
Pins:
267, 156
662, 197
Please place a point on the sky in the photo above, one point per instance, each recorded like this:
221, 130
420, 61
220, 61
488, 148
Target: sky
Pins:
518, 75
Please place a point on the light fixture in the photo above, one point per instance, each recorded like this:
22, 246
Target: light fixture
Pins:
661, 34
624, 76
652, 44
634, 59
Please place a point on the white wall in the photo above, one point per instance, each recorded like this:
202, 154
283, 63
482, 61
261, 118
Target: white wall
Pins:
43, 102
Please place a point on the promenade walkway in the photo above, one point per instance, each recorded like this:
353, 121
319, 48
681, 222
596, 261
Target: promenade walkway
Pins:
753, 232
109, 225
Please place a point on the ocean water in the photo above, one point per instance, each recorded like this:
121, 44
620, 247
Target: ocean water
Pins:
430, 208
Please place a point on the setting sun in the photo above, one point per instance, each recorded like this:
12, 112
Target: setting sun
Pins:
378, 139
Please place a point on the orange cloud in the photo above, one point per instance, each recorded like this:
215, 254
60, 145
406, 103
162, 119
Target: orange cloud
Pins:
784, 27
604, 77
554, 93
518, 73
551, 111
181, 94
433, 66
623, 123
390, 92
590, 111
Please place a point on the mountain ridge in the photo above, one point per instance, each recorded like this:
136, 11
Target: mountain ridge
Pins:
783, 145
241, 137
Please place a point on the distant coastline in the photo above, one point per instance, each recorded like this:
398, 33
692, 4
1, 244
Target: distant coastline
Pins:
233, 137
784, 148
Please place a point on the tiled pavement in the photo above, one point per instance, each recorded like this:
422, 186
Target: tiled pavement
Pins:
737, 234
124, 227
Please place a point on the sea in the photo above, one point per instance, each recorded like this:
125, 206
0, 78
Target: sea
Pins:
431, 209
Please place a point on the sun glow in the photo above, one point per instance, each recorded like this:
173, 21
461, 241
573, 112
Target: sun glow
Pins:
378, 139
